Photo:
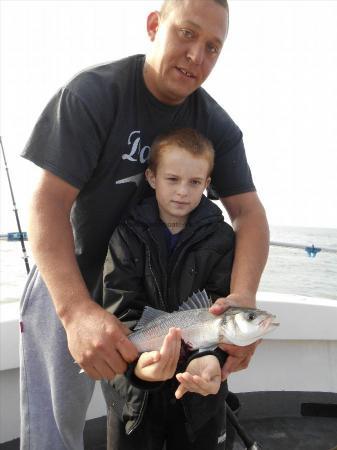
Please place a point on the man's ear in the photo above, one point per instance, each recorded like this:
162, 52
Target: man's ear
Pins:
153, 24
151, 178
208, 182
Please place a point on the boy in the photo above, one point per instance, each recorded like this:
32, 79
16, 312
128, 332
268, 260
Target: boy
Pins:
169, 247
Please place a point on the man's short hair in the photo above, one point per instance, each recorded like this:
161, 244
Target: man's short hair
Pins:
186, 139
169, 4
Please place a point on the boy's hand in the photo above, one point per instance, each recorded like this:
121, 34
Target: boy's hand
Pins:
202, 376
160, 365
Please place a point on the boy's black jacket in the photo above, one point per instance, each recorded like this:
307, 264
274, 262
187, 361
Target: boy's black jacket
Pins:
140, 271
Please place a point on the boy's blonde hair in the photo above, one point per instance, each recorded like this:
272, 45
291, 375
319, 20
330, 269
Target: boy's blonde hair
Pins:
186, 139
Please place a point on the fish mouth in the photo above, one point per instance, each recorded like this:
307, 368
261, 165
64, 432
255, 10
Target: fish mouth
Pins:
268, 323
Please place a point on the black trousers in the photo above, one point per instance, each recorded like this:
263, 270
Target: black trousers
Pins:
164, 428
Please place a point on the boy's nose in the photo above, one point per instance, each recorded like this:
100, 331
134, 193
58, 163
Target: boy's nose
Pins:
182, 190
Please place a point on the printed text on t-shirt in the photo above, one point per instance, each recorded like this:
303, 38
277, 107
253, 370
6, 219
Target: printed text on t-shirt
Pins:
137, 152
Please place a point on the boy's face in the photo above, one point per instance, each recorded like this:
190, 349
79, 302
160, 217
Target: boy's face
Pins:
186, 46
179, 181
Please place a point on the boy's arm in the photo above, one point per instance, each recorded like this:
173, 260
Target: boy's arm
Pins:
202, 376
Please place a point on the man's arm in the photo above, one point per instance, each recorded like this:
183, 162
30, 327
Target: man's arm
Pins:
96, 339
251, 251
251, 247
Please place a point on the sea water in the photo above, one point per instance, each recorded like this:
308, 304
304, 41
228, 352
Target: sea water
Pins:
288, 270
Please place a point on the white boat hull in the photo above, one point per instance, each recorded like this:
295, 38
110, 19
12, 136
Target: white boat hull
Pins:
301, 355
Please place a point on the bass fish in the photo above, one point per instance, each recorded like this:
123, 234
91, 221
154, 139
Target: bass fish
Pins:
199, 327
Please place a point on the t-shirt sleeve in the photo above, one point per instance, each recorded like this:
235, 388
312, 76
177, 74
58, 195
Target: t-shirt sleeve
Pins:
231, 174
67, 139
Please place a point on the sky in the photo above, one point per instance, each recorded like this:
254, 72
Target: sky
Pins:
276, 77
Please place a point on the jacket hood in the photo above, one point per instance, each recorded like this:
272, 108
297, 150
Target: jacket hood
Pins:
147, 213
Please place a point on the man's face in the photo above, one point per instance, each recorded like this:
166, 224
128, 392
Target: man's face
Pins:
179, 181
186, 45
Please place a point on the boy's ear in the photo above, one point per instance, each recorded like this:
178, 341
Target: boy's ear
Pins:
153, 24
151, 178
208, 182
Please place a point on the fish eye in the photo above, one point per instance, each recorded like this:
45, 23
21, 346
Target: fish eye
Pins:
251, 316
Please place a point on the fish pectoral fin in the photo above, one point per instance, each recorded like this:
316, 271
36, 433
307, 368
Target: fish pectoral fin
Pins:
149, 314
197, 300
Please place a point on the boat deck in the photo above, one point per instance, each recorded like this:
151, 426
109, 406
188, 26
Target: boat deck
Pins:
275, 420
276, 433
293, 433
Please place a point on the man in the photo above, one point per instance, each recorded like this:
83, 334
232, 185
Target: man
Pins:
92, 143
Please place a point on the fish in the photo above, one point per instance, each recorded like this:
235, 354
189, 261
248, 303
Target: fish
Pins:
201, 329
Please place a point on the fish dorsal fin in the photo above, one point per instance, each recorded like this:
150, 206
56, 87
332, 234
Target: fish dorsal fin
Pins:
197, 300
148, 315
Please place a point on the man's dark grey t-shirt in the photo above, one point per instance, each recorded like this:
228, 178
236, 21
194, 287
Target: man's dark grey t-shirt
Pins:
96, 134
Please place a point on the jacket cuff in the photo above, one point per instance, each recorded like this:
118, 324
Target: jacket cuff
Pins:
138, 382
218, 353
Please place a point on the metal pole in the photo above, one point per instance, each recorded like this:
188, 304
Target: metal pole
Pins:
25, 256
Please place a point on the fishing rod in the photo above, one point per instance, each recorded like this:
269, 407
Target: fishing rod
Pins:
25, 256
249, 443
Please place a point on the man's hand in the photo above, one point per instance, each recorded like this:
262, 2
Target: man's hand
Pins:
202, 376
238, 357
98, 342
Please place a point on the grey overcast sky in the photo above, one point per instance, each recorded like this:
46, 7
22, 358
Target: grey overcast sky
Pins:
276, 77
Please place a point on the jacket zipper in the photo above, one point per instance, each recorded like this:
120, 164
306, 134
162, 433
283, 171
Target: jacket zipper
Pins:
141, 414
163, 303
148, 253
155, 280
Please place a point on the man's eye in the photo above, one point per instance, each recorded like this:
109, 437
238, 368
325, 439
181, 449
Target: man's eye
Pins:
195, 181
212, 49
188, 34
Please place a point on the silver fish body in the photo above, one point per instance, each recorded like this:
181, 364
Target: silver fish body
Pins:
199, 327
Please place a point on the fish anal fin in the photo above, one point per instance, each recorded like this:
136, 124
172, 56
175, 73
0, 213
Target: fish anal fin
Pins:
185, 350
